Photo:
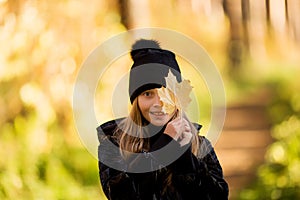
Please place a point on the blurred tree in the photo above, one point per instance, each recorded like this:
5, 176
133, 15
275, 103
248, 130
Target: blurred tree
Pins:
293, 17
236, 43
268, 18
124, 13
286, 8
245, 21
42, 44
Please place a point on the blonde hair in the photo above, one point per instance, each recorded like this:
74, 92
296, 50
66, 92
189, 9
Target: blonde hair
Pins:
133, 138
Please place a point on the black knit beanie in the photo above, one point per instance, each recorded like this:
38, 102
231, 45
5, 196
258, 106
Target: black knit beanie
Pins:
151, 65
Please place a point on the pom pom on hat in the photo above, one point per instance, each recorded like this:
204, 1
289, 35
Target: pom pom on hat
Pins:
146, 44
143, 44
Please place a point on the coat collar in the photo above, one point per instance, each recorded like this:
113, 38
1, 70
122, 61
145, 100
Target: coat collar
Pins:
109, 127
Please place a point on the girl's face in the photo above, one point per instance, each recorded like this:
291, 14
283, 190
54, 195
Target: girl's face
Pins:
151, 108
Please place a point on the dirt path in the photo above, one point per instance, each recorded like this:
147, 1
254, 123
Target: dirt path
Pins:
242, 145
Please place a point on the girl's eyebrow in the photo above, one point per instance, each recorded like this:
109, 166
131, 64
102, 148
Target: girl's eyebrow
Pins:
150, 90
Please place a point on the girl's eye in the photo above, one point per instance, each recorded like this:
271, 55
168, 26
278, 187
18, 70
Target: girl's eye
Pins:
148, 94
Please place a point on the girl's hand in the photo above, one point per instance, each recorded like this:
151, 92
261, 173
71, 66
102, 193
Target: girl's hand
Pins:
180, 130
186, 135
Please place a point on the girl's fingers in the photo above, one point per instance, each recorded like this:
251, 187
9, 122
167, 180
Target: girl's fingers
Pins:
185, 139
177, 128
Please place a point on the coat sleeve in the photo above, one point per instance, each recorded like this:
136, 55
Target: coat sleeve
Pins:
202, 176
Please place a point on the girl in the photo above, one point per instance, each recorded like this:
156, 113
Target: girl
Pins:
153, 154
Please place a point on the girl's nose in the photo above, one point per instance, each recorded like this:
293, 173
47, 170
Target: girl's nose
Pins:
157, 100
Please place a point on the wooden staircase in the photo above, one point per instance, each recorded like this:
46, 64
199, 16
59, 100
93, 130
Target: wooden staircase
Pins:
242, 145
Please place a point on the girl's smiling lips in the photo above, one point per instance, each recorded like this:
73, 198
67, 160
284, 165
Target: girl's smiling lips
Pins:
157, 113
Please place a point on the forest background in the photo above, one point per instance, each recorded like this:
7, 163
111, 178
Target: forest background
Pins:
255, 45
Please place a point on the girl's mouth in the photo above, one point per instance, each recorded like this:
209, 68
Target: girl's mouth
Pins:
157, 113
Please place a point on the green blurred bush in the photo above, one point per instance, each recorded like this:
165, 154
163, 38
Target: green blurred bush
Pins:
279, 176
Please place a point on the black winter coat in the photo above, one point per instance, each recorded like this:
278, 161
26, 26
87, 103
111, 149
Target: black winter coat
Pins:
191, 177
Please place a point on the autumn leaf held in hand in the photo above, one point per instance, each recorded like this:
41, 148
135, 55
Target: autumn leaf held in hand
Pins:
175, 95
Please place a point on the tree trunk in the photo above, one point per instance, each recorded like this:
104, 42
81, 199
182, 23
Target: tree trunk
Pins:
268, 18
134, 13
246, 19
235, 43
294, 18
124, 13
286, 11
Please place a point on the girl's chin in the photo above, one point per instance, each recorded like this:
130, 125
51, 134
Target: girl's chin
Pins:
159, 121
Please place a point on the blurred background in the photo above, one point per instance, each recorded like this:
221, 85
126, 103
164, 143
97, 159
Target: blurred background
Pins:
255, 45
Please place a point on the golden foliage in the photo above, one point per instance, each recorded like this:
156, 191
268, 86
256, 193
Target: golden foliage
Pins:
175, 95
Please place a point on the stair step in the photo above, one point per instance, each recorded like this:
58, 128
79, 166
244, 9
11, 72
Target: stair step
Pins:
248, 117
240, 161
231, 139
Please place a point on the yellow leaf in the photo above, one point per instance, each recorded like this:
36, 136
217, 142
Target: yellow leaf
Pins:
175, 95
168, 99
